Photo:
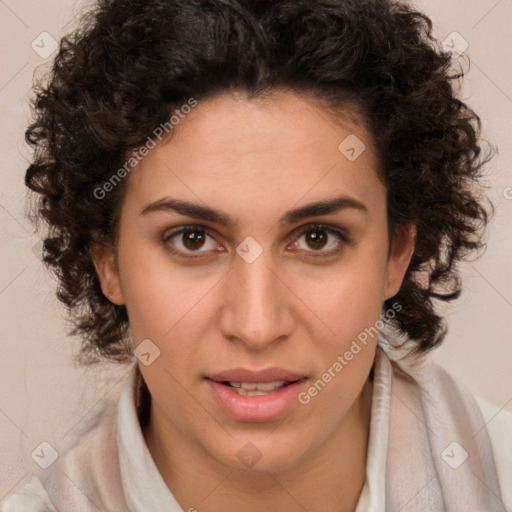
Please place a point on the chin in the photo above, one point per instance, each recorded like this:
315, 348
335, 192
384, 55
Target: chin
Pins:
260, 454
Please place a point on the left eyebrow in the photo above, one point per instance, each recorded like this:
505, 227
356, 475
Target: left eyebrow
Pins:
324, 207
198, 211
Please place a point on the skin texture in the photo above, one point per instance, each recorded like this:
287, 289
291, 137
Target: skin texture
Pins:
254, 159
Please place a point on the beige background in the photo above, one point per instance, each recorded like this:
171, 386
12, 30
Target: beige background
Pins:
44, 398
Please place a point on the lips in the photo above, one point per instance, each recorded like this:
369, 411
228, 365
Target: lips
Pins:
268, 375
256, 396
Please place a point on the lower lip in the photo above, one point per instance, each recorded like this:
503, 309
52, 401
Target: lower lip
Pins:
256, 408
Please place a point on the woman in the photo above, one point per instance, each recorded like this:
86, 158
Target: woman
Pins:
261, 201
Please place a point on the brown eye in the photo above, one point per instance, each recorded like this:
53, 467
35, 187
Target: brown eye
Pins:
325, 240
193, 240
190, 239
316, 239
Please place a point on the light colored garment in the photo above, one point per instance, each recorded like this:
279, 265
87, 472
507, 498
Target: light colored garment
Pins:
420, 434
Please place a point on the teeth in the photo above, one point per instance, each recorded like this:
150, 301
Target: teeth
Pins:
256, 388
252, 392
261, 386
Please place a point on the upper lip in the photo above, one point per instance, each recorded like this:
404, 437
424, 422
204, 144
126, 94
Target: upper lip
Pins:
245, 375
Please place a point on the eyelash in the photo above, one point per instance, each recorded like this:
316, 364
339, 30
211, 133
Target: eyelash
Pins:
338, 233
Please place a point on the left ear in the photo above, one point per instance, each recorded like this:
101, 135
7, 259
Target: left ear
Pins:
399, 258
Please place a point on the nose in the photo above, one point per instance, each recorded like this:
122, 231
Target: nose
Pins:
259, 311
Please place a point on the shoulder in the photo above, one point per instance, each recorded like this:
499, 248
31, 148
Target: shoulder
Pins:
32, 497
453, 405
85, 470
499, 427
496, 421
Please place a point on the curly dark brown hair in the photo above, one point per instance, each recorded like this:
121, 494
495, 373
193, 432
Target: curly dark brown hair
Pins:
131, 64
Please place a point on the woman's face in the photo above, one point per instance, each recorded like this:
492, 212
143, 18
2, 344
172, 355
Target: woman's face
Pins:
254, 293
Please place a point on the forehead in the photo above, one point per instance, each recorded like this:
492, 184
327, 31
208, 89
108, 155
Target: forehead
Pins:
259, 155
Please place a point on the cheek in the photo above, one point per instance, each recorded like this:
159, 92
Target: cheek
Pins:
351, 299
157, 292
351, 307
346, 355
151, 303
359, 301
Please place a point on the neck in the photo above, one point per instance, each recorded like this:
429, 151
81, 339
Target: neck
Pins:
330, 479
